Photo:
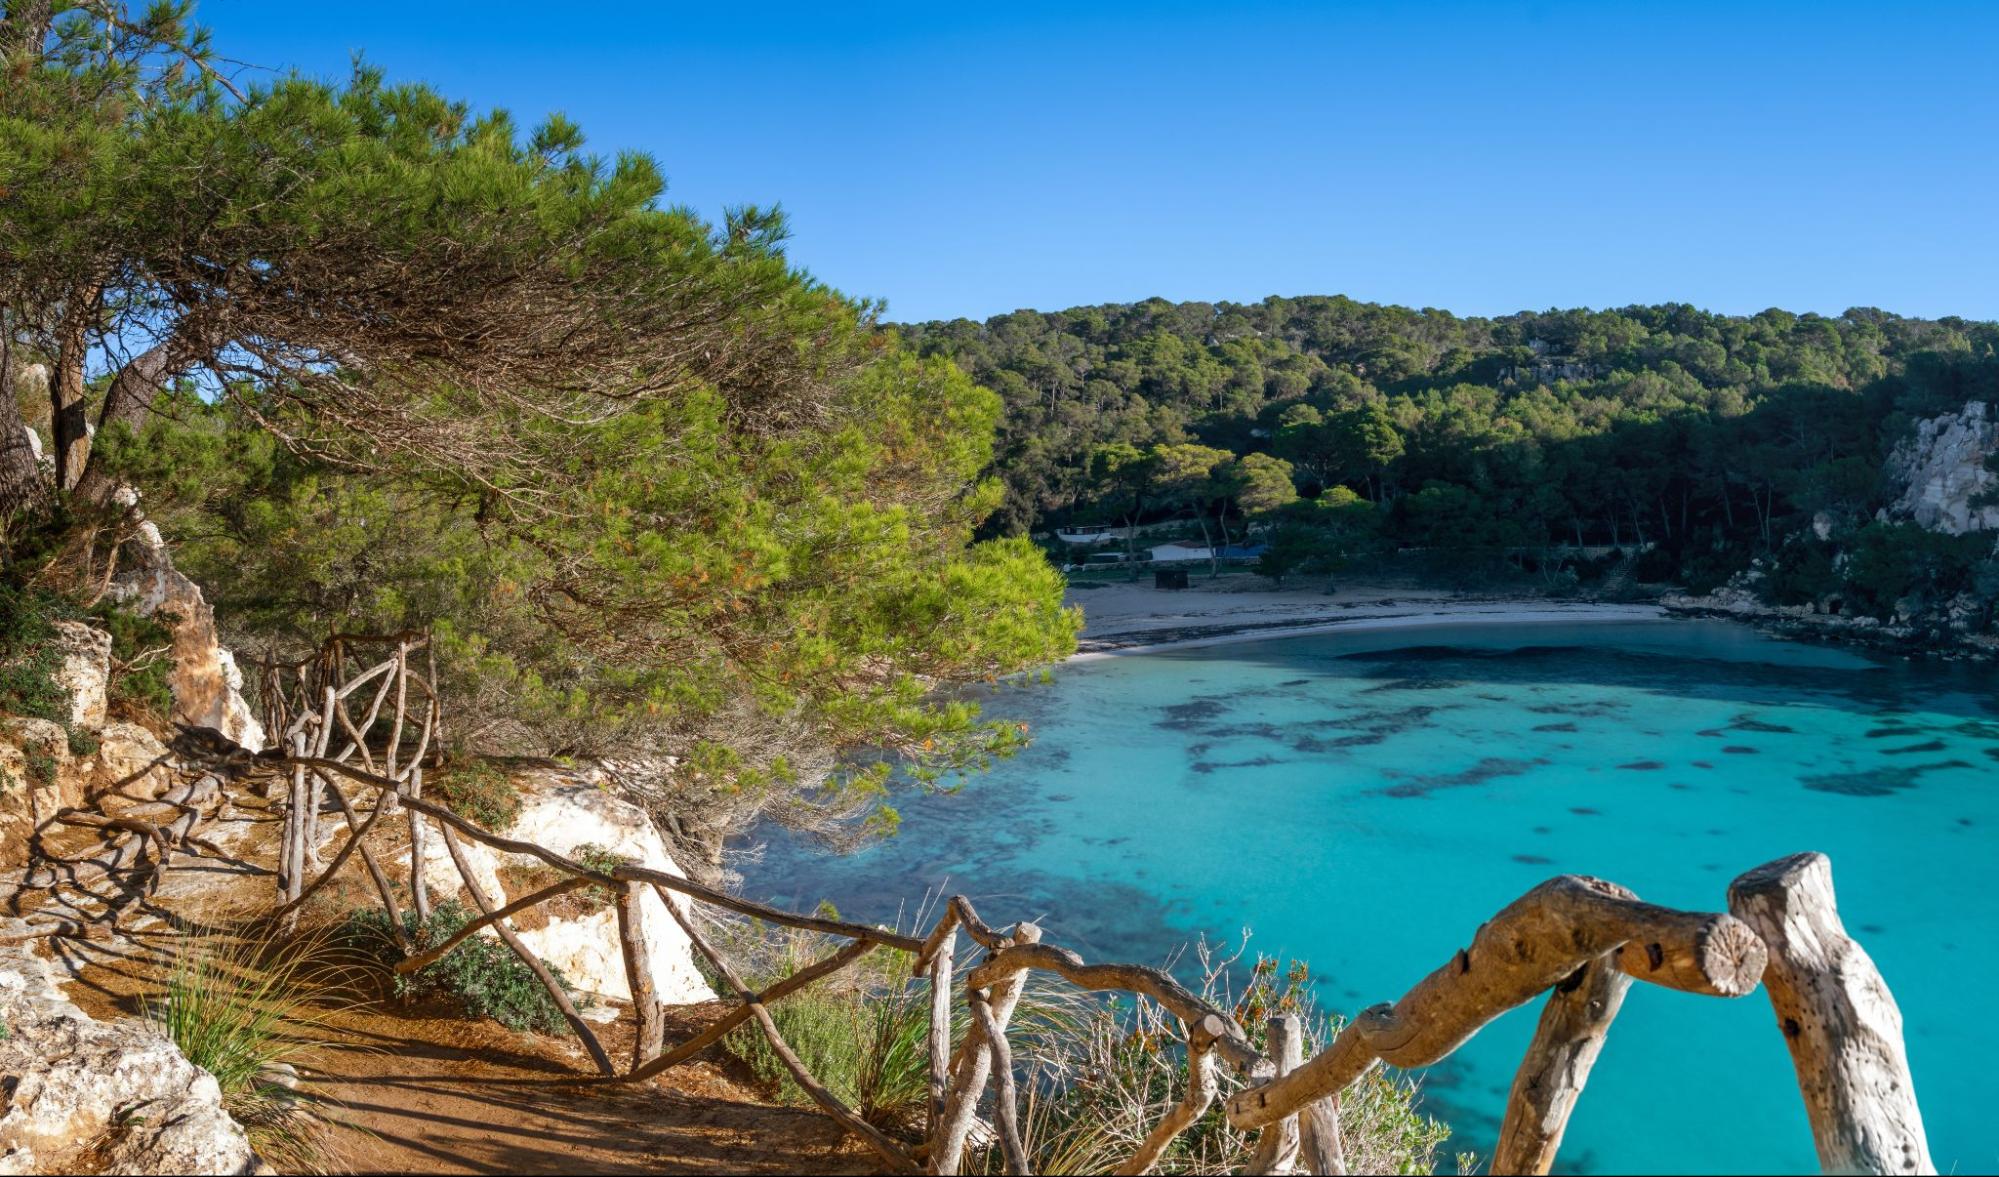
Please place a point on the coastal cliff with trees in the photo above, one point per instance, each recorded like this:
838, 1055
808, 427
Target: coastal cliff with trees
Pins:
1787, 453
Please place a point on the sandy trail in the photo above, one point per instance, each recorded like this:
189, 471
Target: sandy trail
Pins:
421, 1088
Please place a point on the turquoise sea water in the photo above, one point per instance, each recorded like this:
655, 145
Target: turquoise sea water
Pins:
1364, 800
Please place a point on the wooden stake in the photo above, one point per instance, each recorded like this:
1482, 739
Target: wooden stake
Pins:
528, 958
1839, 1020
1277, 1144
1201, 1086
1005, 1105
1550, 1079
649, 1033
938, 1039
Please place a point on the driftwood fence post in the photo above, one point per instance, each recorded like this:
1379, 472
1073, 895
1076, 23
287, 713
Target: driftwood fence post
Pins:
1838, 1018
649, 1036
1277, 1143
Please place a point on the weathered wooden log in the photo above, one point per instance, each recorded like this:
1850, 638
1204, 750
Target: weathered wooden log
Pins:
1536, 941
940, 960
944, 932
402, 708
314, 783
649, 1024
1006, 1105
365, 677
1277, 1143
1201, 1087
974, 1068
1566, 1044
1839, 1021
291, 862
442, 949
1319, 1139
527, 957
898, 1160
419, 845
818, 970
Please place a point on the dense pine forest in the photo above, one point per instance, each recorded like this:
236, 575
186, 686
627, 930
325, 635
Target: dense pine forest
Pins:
1349, 428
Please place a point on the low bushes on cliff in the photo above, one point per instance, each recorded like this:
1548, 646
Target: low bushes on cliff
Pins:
482, 974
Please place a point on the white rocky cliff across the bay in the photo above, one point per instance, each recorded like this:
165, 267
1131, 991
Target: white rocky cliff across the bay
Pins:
1942, 472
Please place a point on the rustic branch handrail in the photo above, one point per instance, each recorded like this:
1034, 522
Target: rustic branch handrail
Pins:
1581, 941
1535, 942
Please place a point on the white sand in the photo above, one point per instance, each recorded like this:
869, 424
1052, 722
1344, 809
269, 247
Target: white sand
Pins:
1120, 618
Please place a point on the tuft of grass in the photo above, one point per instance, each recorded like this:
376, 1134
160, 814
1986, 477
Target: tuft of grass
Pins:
864, 1031
244, 1011
860, 1032
482, 974
478, 791
604, 861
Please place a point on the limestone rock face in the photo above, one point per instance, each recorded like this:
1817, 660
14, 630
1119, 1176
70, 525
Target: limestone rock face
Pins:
563, 809
86, 671
207, 686
121, 1090
37, 776
1942, 469
132, 760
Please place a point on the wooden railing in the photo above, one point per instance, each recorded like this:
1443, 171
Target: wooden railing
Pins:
1581, 941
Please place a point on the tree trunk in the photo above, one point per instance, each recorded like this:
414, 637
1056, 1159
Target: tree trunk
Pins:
22, 486
68, 410
128, 402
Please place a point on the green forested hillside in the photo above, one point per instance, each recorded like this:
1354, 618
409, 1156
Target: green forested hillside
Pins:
1710, 436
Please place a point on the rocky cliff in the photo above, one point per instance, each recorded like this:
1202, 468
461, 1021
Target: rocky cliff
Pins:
1942, 473
1939, 479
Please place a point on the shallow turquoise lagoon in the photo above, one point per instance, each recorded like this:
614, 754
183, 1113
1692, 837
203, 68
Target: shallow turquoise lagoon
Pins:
1363, 801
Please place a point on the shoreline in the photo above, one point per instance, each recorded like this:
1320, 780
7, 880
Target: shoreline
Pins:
1357, 618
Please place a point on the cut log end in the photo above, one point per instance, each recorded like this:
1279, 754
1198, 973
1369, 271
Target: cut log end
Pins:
1733, 957
1810, 871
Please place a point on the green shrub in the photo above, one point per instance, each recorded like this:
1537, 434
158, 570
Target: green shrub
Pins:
41, 765
482, 974
604, 861
31, 655
141, 661
478, 791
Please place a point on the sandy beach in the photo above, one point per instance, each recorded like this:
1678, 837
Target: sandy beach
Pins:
1132, 618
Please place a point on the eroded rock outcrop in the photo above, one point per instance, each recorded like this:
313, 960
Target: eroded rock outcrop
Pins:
101, 1097
566, 810
207, 685
1942, 473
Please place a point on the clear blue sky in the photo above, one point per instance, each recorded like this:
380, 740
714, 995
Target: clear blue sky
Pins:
974, 159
